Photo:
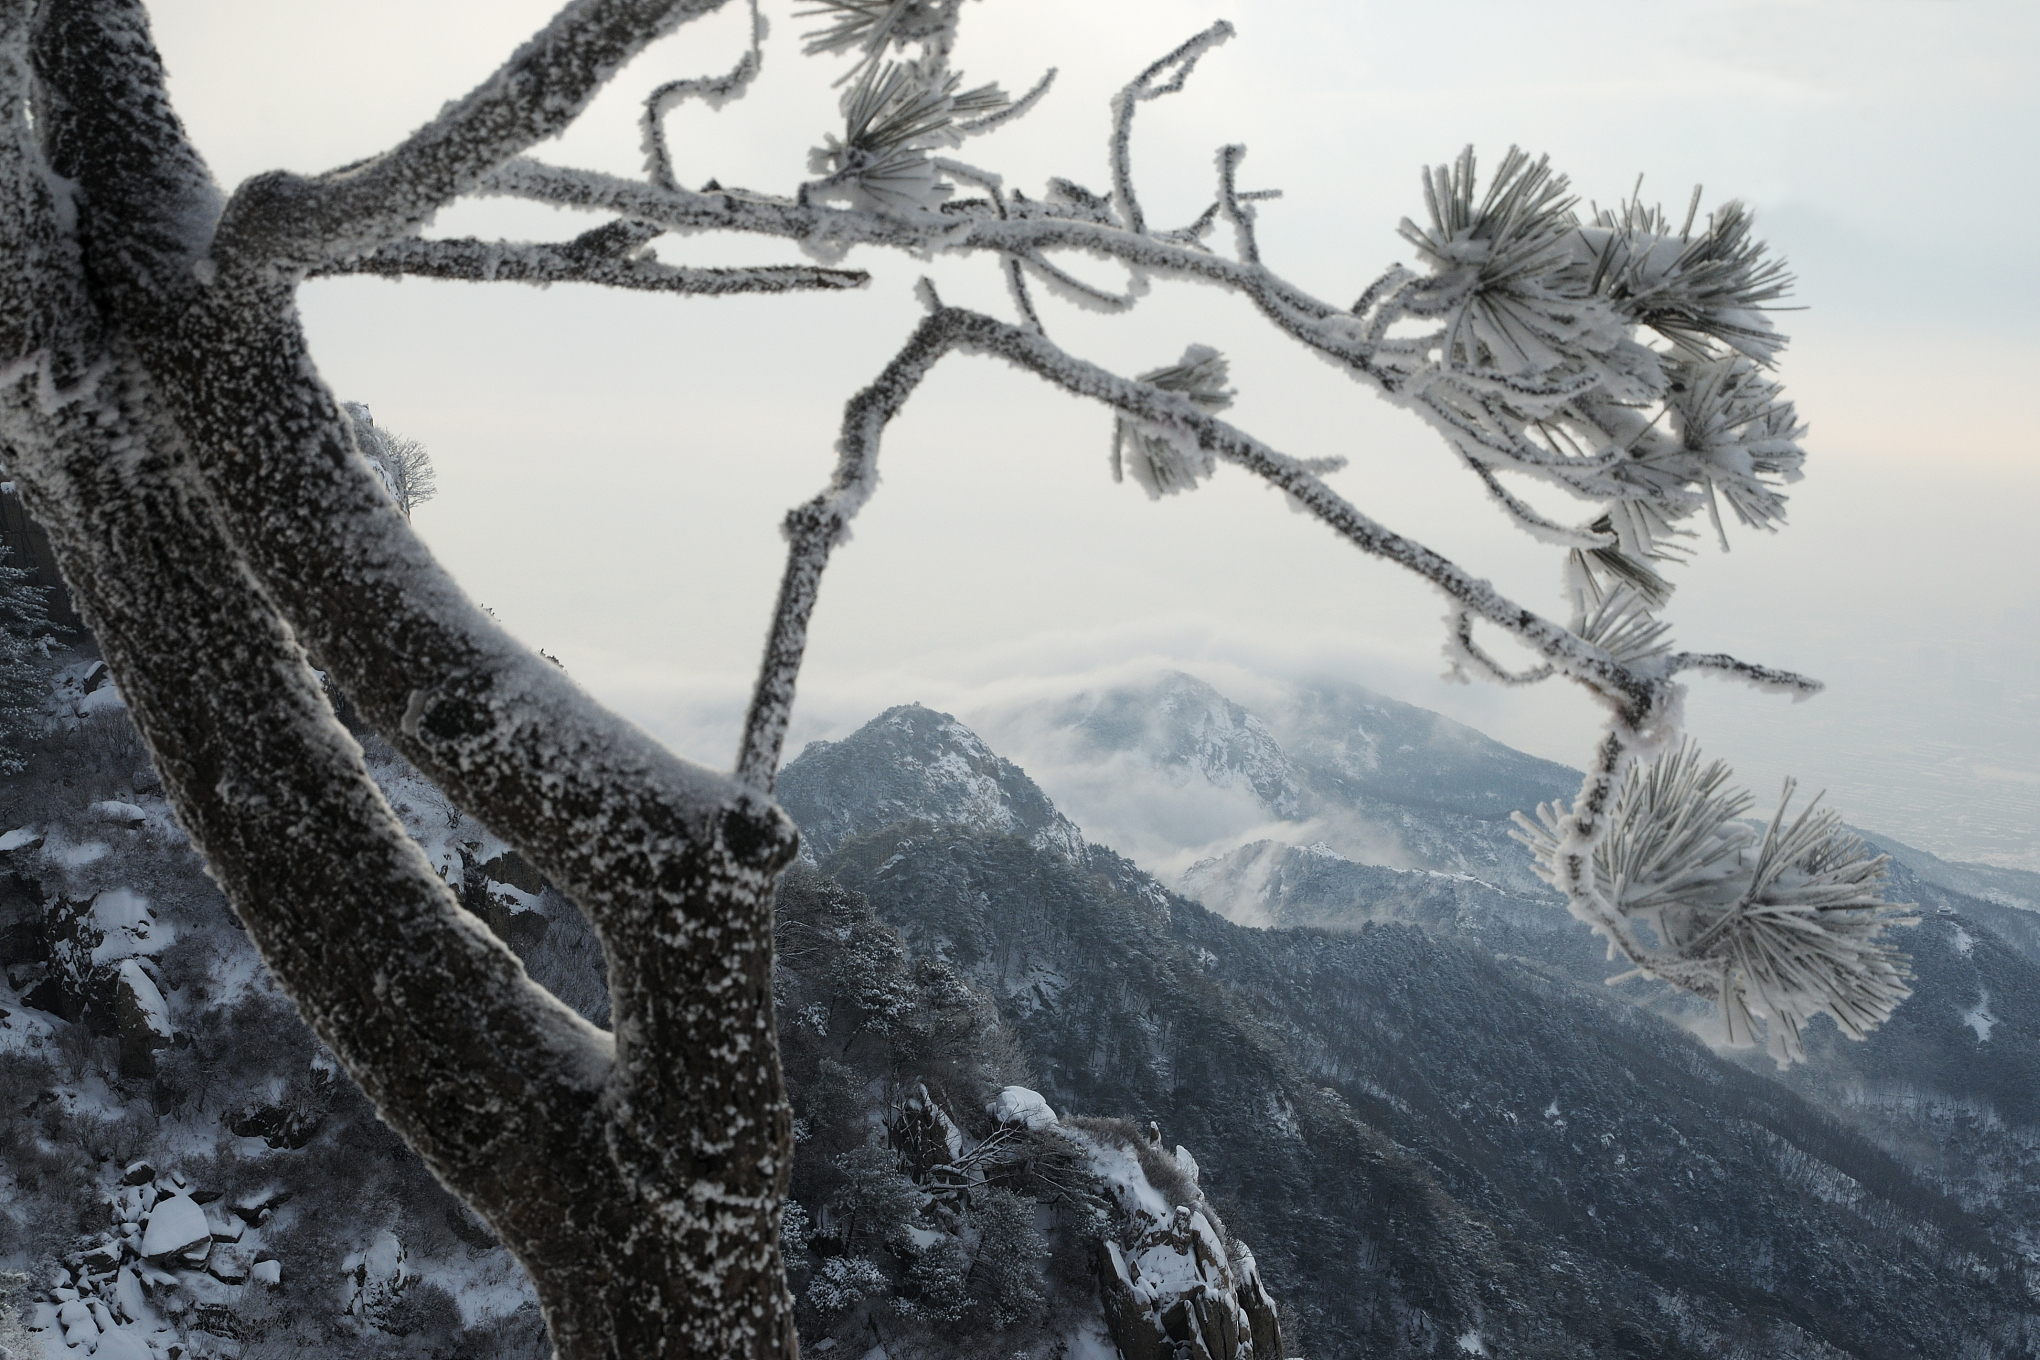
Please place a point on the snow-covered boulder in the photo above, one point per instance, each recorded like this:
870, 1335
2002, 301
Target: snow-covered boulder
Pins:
176, 1226
119, 813
105, 699
1018, 1105
1170, 1285
75, 1317
230, 1263
143, 1019
122, 1344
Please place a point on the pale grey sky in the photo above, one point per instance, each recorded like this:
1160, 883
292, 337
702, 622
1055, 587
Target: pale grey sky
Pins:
613, 469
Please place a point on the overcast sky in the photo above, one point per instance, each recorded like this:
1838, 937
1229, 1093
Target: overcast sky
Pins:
613, 468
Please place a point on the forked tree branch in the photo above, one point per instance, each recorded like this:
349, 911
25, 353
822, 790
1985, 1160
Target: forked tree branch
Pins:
427, 1010
291, 219
1321, 325
1637, 695
1177, 65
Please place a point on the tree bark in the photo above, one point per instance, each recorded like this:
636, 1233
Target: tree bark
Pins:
165, 420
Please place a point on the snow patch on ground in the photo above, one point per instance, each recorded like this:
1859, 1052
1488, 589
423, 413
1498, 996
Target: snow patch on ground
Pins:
78, 856
1089, 1340
1979, 1018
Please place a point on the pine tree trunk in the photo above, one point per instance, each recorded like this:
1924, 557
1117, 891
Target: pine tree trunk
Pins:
162, 414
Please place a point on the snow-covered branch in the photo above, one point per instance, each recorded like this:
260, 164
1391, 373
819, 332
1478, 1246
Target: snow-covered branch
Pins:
536, 94
1032, 228
1172, 410
1149, 84
521, 262
814, 530
715, 91
1762, 677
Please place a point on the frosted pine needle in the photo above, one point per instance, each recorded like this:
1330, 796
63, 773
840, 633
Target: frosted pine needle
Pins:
867, 26
1776, 928
1742, 434
893, 118
1621, 625
1164, 461
1704, 293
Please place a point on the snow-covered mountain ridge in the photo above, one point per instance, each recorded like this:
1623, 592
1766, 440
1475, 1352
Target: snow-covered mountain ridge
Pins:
1172, 772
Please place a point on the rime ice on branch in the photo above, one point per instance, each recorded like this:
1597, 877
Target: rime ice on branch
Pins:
162, 413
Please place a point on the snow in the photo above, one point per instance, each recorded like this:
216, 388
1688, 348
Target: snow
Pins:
267, 1272
21, 1031
1979, 1018
128, 925
149, 1001
115, 810
1471, 1344
78, 856
122, 1344
1964, 942
76, 1320
1119, 1168
1089, 1340
1018, 1105
175, 1225
128, 1296
105, 699
19, 837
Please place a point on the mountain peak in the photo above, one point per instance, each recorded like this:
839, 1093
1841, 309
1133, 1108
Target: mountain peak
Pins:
912, 763
1187, 731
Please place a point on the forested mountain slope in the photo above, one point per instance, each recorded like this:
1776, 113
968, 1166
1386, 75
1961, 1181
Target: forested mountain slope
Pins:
1424, 1136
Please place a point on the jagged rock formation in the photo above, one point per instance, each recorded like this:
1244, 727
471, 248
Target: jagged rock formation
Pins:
1174, 1288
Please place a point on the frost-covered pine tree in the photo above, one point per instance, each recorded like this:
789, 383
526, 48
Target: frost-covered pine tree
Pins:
165, 420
